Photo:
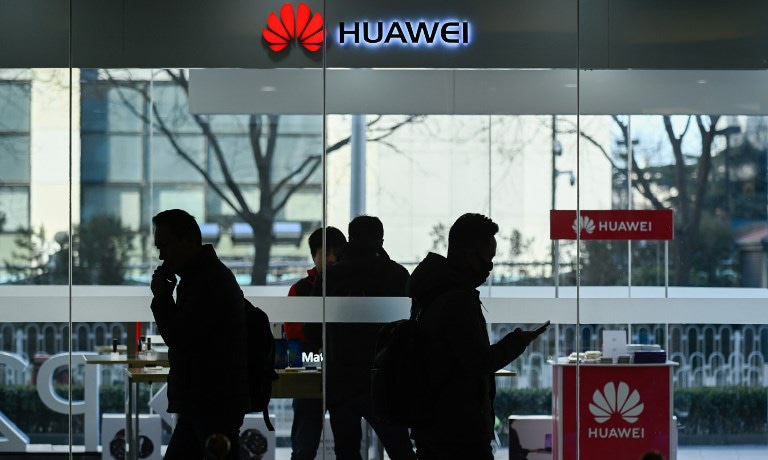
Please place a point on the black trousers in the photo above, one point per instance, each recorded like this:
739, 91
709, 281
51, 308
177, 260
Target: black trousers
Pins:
307, 428
443, 449
192, 432
346, 417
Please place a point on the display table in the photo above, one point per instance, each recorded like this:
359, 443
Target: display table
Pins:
137, 364
159, 359
625, 410
307, 384
290, 384
135, 377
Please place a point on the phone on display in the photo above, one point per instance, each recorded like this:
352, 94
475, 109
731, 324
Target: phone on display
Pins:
542, 326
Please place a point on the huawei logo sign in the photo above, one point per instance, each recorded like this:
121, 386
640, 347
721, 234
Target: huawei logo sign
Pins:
614, 400
305, 28
586, 224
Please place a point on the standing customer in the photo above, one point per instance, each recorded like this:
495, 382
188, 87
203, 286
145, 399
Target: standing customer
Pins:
308, 415
364, 270
444, 292
204, 329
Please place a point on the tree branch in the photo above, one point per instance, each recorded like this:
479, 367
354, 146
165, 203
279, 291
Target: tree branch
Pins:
391, 129
338, 145
682, 188
294, 173
705, 163
644, 185
213, 140
314, 161
271, 138
160, 124
296, 187
228, 179
179, 79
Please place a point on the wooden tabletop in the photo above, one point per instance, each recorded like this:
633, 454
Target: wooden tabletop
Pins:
148, 374
108, 348
290, 383
298, 383
122, 358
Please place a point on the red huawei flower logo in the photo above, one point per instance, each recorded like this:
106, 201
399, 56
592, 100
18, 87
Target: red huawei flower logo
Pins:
280, 31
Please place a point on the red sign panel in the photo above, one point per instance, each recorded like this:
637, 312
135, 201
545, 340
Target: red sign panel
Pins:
624, 412
612, 225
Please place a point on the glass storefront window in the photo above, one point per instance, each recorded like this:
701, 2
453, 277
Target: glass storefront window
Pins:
510, 109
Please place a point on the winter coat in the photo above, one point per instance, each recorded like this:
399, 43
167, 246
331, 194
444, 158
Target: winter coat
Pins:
362, 271
462, 380
206, 336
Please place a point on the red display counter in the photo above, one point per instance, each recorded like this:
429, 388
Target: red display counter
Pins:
625, 411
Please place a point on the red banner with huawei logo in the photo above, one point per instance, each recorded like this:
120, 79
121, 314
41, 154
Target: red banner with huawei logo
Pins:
612, 225
624, 411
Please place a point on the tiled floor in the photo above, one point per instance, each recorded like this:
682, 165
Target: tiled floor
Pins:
723, 453
741, 452
684, 453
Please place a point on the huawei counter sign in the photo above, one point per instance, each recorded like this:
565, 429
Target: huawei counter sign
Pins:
616, 402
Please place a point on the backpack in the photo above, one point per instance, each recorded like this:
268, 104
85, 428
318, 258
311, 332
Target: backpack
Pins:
261, 360
399, 389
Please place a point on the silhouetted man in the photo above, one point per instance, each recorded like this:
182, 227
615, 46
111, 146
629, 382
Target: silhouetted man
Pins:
364, 270
308, 415
204, 329
444, 292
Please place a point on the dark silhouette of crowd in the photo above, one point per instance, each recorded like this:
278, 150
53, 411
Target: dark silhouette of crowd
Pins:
204, 327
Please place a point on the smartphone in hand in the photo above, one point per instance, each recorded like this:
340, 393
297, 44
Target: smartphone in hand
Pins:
167, 273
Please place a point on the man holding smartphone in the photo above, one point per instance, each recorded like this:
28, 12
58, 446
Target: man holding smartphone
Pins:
446, 300
204, 328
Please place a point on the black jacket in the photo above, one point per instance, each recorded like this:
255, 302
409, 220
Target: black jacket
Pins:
206, 337
463, 382
362, 271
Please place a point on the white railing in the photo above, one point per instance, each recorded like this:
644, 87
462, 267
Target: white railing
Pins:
502, 304
696, 325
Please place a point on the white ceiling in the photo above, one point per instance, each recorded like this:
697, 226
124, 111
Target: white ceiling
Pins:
484, 91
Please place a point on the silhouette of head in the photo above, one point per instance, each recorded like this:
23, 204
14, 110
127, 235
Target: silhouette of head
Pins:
652, 455
177, 237
335, 241
367, 230
472, 246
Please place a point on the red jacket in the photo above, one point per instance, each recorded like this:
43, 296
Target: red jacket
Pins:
302, 287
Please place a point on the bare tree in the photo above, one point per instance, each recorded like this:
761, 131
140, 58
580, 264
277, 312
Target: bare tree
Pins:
275, 192
691, 180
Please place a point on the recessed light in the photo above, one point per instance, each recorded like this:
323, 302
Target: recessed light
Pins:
268, 89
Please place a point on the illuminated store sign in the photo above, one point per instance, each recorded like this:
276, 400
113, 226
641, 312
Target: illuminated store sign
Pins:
403, 32
307, 30
281, 31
